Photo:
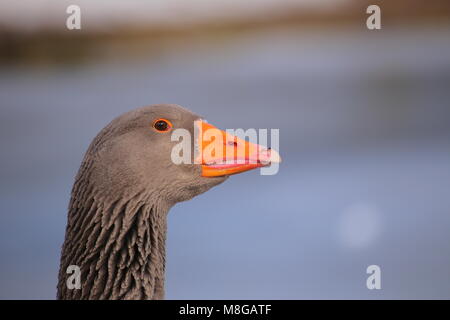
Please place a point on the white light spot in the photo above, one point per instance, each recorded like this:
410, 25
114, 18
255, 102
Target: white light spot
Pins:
359, 226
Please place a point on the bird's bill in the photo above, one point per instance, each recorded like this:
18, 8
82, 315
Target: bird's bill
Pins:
223, 154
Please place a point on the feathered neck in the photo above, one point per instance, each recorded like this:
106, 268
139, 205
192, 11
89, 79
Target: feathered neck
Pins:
118, 244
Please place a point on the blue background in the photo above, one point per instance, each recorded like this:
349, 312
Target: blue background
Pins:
364, 123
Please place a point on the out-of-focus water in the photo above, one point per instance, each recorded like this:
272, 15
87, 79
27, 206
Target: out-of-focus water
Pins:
364, 119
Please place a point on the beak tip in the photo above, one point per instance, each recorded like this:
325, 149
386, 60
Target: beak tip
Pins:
268, 156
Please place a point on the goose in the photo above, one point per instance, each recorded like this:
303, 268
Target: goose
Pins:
123, 191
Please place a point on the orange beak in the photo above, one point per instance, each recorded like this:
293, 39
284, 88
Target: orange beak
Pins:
222, 154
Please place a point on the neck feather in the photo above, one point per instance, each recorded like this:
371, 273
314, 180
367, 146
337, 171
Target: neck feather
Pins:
119, 246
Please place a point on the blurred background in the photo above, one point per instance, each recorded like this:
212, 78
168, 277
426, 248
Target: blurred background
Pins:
364, 119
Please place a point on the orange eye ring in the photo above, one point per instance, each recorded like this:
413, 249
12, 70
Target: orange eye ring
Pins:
162, 125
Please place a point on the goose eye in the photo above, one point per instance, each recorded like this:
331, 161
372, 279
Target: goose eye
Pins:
162, 125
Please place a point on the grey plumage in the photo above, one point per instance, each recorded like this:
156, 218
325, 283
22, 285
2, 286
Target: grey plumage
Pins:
117, 219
